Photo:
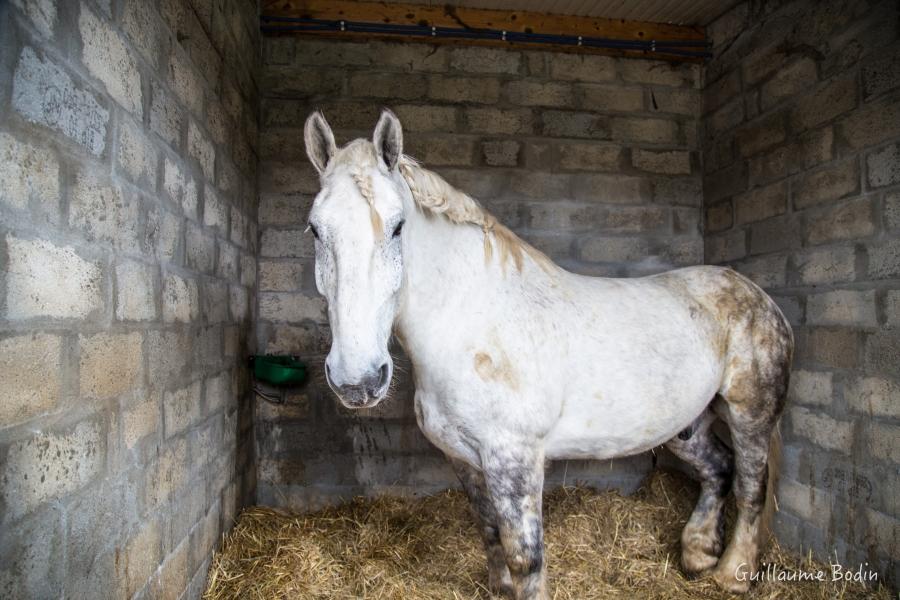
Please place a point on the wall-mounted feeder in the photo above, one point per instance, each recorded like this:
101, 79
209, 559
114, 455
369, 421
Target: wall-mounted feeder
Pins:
274, 374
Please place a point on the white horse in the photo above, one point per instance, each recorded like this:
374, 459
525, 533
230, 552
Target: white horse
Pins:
518, 361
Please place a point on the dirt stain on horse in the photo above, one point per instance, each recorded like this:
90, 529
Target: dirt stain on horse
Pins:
502, 371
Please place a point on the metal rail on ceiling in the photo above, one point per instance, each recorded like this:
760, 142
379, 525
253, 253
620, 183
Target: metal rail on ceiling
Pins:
688, 48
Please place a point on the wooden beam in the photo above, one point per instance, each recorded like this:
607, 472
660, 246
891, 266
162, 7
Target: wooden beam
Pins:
472, 18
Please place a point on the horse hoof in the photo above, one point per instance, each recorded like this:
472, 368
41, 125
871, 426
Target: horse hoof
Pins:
697, 561
503, 588
728, 581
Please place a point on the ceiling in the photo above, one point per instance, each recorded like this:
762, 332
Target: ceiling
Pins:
675, 12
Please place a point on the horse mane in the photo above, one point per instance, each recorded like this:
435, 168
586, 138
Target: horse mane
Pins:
433, 194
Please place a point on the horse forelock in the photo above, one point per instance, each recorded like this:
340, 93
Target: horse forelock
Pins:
434, 194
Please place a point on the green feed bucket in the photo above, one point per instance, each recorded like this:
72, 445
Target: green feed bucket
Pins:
278, 370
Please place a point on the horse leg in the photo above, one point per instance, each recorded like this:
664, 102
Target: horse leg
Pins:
514, 476
753, 403
702, 538
499, 579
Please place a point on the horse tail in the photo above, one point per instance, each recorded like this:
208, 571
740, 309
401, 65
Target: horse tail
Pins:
773, 465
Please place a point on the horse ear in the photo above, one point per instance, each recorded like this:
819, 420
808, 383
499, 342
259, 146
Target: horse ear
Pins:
319, 140
388, 139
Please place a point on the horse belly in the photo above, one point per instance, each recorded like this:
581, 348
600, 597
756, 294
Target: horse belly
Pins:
627, 411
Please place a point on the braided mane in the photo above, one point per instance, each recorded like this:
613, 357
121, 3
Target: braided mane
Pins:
434, 194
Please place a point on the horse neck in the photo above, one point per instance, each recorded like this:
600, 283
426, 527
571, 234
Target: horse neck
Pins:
444, 274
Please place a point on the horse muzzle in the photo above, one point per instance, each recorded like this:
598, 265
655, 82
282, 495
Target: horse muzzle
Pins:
365, 393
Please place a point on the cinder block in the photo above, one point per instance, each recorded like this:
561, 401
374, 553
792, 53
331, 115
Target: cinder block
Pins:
658, 72
441, 119
499, 121
184, 81
582, 67
403, 86
136, 156
28, 175
589, 156
834, 98
602, 98
653, 131
37, 87
791, 80
463, 89
880, 73
201, 149
44, 280
766, 271
443, 150
30, 369
612, 189
873, 396
634, 219
110, 363
182, 408
836, 347
501, 153
108, 58
776, 234
726, 247
851, 220
679, 191
812, 388
614, 249
50, 466
671, 162
200, 249
719, 217
280, 276
882, 442
227, 265
248, 270
826, 185
135, 291
168, 356
882, 352
143, 27
883, 166
726, 118
575, 125
821, 429
141, 419
676, 101
291, 307
305, 51
104, 214
760, 203
826, 265
166, 116
892, 307
218, 392
761, 134
283, 210
525, 92
884, 259
215, 301
180, 187
809, 503
180, 299
215, 211
720, 91
477, 59
410, 57
142, 556
165, 233
871, 124
286, 243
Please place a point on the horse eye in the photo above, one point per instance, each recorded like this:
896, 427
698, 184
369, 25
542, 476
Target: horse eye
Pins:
398, 228
314, 231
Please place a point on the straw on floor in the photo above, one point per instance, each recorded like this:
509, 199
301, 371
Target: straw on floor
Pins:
599, 545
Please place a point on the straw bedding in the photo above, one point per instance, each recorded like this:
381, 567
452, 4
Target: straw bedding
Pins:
599, 545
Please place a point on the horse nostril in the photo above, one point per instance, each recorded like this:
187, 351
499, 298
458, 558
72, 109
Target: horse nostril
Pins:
384, 373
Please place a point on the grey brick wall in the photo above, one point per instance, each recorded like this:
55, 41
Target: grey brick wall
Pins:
801, 149
128, 202
592, 159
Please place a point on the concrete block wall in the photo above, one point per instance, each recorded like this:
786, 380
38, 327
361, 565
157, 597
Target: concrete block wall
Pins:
801, 153
592, 159
128, 202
